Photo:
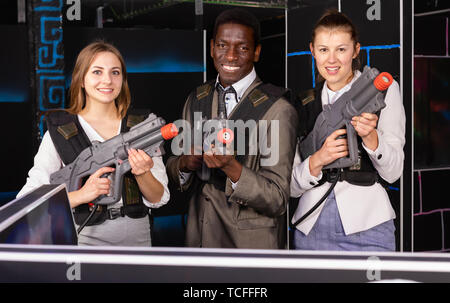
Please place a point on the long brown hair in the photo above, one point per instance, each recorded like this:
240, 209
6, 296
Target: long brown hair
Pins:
77, 94
333, 19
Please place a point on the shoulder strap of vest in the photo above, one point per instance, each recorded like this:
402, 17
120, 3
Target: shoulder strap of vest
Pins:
67, 135
258, 102
133, 205
254, 107
258, 97
309, 106
133, 117
202, 98
204, 90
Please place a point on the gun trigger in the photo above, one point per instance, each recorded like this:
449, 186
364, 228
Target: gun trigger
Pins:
126, 147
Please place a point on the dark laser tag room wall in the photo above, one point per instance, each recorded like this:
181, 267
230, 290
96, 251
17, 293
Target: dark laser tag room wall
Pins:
166, 48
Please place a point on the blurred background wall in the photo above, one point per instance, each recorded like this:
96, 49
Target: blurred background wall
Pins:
165, 44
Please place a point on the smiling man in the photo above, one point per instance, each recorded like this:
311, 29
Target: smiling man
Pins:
243, 203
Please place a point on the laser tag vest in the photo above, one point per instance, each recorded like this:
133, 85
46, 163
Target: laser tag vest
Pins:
70, 140
252, 107
363, 172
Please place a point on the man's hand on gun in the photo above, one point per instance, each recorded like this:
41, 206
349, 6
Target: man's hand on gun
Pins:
192, 162
213, 158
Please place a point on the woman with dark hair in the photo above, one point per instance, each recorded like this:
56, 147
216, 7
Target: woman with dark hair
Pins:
99, 110
353, 217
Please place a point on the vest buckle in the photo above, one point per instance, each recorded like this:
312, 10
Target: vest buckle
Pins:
333, 174
114, 213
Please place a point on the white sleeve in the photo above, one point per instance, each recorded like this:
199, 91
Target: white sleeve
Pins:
302, 180
388, 158
46, 162
159, 172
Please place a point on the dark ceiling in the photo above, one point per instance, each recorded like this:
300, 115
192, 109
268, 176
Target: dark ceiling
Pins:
171, 14
180, 14
431, 6
155, 13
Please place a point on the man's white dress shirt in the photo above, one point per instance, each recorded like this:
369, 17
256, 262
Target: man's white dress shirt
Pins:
230, 102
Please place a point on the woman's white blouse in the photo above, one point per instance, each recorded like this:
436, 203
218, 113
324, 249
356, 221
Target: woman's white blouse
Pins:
360, 207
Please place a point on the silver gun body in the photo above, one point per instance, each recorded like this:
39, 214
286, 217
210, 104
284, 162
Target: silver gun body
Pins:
113, 153
363, 97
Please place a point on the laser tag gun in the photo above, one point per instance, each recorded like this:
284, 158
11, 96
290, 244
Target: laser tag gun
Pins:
149, 136
218, 134
365, 96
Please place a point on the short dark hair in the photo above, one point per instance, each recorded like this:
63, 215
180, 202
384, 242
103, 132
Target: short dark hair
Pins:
239, 16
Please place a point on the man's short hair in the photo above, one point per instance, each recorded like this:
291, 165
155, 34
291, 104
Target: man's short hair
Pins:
239, 16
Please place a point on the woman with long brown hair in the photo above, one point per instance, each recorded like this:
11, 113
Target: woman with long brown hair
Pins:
99, 110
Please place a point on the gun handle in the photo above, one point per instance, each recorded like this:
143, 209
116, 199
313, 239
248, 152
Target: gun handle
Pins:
352, 157
116, 177
352, 141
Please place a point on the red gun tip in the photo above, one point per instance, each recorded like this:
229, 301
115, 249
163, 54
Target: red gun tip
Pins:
225, 135
169, 131
383, 81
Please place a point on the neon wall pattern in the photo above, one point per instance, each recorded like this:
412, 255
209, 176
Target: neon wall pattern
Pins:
46, 20
431, 215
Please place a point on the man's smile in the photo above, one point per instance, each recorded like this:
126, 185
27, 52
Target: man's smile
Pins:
230, 68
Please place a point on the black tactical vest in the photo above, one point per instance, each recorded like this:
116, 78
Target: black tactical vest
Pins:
252, 107
70, 140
